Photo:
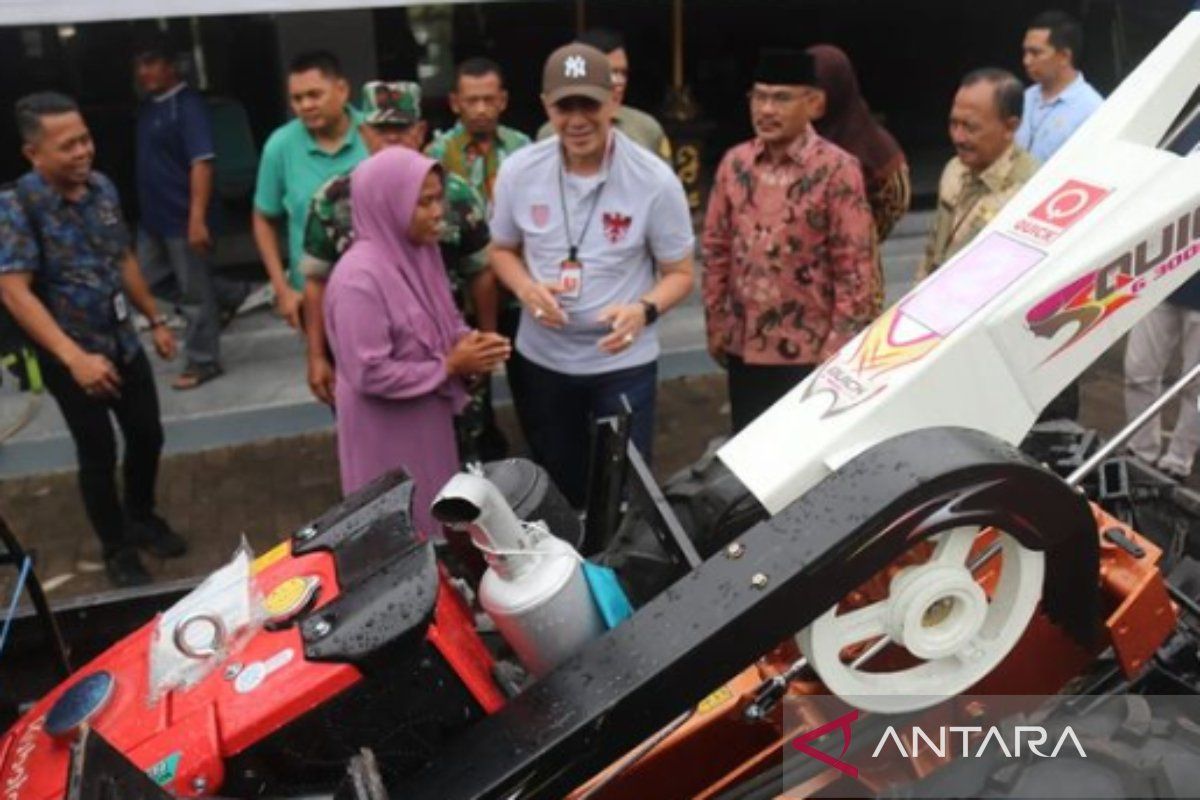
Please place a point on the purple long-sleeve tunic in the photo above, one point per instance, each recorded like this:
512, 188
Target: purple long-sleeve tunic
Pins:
391, 322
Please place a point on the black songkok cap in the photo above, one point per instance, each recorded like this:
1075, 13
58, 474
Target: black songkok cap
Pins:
786, 67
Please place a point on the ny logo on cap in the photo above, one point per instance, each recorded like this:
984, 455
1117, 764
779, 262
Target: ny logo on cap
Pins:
575, 67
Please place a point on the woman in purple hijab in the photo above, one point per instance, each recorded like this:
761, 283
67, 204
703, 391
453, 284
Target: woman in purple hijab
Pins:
401, 349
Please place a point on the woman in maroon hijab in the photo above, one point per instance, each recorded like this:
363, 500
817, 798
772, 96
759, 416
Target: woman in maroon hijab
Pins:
842, 117
403, 352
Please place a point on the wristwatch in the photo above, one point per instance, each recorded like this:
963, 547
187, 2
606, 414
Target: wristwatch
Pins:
651, 311
158, 321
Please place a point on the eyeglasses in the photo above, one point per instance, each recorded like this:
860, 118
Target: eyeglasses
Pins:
757, 97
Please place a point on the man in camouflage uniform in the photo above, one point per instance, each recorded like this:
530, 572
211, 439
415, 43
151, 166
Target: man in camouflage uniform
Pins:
392, 117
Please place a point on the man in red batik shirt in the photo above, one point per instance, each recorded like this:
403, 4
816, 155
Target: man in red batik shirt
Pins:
788, 268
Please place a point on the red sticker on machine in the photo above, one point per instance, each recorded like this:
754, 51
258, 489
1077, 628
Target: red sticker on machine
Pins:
1070, 203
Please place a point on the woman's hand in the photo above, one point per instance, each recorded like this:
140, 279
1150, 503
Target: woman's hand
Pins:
478, 352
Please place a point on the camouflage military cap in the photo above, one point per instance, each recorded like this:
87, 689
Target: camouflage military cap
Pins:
391, 103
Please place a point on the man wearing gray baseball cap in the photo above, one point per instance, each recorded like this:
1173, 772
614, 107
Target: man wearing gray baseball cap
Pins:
592, 233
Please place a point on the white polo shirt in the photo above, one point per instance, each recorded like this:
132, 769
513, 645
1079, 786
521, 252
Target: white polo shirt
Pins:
638, 215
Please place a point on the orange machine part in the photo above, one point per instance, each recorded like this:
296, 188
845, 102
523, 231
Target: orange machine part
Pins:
716, 748
1140, 613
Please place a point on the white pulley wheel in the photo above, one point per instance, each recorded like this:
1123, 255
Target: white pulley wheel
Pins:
939, 613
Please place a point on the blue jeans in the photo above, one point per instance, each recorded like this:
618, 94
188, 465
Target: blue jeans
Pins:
559, 412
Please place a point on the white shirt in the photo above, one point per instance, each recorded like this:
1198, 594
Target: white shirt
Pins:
635, 213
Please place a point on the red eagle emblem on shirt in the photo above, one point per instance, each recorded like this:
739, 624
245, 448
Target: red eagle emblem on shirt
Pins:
616, 226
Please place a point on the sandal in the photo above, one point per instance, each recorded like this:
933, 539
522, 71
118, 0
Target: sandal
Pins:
194, 375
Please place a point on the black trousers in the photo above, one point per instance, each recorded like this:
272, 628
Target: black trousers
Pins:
137, 414
753, 388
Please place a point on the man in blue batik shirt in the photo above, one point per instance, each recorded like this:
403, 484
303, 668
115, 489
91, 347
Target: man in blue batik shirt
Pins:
68, 278
1060, 99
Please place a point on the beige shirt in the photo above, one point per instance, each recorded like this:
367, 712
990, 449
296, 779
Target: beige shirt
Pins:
968, 201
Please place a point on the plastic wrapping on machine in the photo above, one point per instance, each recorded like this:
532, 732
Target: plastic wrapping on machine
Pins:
196, 634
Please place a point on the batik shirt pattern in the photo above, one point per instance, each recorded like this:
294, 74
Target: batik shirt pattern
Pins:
74, 249
789, 270
477, 162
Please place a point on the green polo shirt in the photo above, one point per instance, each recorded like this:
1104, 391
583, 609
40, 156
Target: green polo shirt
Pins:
292, 168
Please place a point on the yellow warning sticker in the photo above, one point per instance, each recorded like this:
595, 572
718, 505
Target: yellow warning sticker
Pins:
290, 597
715, 700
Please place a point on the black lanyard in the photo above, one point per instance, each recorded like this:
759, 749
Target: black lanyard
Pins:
573, 247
